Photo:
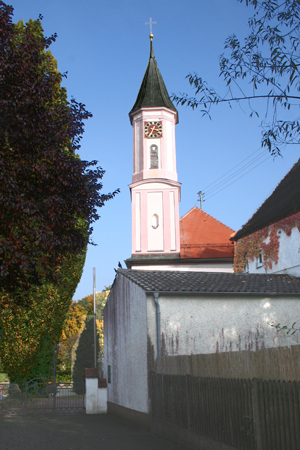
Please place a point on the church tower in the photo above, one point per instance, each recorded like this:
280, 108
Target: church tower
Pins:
155, 190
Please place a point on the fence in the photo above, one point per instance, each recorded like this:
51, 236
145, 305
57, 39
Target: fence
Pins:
41, 397
245, 414
278, 363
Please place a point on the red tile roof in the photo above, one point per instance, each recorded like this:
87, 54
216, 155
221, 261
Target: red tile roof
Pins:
202, 236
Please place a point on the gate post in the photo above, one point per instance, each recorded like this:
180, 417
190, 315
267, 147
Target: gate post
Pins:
96, 392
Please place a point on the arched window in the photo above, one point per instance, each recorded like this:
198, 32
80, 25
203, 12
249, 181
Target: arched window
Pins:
153, 156
155, 221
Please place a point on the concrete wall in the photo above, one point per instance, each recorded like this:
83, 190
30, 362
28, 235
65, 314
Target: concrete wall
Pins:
288, 255
125, 345
211, 324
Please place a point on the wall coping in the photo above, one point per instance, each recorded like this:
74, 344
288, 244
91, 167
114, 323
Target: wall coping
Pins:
95, 373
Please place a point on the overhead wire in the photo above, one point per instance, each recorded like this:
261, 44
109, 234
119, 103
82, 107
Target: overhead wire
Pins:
237, 172
237, 179
231, 169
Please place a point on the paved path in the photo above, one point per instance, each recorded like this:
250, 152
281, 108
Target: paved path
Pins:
78, 432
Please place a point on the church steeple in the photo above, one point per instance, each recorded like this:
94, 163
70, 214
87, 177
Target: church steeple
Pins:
153, 91
155, 191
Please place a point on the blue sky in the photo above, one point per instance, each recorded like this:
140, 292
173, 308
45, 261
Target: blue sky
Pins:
104, 47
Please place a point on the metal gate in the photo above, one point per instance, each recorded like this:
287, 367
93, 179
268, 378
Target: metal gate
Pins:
41, 396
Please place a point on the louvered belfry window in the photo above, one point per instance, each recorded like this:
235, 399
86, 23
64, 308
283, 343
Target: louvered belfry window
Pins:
153, 156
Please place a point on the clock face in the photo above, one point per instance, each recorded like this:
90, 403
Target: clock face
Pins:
153, 130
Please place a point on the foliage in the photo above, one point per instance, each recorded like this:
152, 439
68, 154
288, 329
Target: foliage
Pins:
269, 60
74, 325
48, 201
49, 197
100, 334
3, 378
251, 246
29, 332
101, 297
85, 351
73, 322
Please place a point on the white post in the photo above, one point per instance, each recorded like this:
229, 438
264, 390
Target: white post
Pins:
95, 392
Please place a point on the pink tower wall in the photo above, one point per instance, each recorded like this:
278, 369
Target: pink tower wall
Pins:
155, 191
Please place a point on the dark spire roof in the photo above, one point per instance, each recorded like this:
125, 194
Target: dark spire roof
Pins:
284, 201
153, 91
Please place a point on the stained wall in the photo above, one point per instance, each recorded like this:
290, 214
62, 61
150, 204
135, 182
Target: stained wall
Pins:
125, 345
212, 324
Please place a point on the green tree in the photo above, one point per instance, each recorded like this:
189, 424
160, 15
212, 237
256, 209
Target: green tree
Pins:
266, 66
30, 328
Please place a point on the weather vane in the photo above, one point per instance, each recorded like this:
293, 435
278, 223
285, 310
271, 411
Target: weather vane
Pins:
150, 23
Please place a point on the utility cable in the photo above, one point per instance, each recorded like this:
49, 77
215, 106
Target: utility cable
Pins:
206, 187
237, 179
236, 173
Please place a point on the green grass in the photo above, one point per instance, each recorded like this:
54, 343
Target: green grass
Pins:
3, 378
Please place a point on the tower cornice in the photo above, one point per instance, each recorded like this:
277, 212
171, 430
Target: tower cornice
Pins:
154, 180
160, 109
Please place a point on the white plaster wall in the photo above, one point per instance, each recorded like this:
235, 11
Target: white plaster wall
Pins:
288, 256
138, 221
153, 186
198, 267
172, 222
167, 156
91, 397
208, 324
125, 345
170, 146
95, 398
155, 235
138, 147
151, 325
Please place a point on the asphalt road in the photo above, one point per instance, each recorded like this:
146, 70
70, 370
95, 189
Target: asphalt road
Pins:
77, 432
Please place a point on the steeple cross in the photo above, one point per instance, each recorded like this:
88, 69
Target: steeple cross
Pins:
150, 23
